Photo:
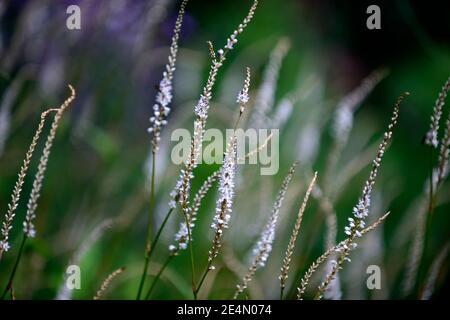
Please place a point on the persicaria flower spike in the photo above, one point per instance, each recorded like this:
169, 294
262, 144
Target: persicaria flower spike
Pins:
225, 200
243, 97
161, 108
431, 137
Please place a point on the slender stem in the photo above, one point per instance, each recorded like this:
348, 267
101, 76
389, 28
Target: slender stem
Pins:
281, 293
158, 233
196, 289
148, 248
236, 123
208, 268
16, 264
158, 275
191, 253
430, 205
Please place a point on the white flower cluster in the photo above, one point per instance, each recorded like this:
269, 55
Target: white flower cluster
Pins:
226, 188
4, 245
28, 226
360, 212
345, 246
242, 97
443, 169
231, 41
6, 227
201, 109
182, 237
177, 194
431, 137
161, 108
264, 245
164, 96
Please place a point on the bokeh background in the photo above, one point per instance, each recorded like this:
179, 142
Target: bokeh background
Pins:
92, 211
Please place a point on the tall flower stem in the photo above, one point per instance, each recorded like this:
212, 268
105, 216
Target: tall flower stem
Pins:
158, 275
148, 245
158, 233
16, 264
156, 239
208, 268
431, 200
191, 251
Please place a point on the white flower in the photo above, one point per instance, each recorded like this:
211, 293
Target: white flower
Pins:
264, 245
28, 229
4, 245
201, 109
161, 108
181, 238
431, 138
226, 188
164, 96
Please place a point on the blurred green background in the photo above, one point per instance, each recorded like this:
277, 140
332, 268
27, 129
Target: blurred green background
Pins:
93, 207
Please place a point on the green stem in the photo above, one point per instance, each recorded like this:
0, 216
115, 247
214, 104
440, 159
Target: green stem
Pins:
158, 233
430, 205
281, 293
148, 248
158, 275
191, 254
208, 268
13, 273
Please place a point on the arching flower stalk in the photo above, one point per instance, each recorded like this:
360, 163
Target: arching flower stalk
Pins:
295, 231
224, 205
161, 108
341, 128
15, 196
431, 137
107, 282
28, 225
181, 191
336, 249
442, 168
181, 237
225, 200
243, 97
263, 247
362, 208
